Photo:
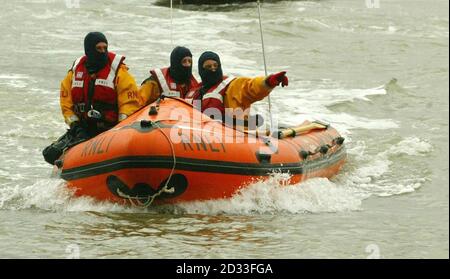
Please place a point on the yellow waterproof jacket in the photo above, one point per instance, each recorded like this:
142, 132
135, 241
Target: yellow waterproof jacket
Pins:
244, 91
128, 100
241, 92
149, 91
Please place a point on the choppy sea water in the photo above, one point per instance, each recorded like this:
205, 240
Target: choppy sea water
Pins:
379, 75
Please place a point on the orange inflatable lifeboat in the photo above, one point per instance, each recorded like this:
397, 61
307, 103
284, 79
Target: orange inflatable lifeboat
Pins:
169, 152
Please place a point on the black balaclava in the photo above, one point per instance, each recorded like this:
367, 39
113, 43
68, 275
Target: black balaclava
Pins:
209, 78
178, 72
95, 60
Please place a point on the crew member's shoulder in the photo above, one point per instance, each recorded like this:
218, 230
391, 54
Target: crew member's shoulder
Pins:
148, 80
123, 67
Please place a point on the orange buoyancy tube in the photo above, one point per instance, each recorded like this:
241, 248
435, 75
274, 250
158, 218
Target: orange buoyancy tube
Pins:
191, 155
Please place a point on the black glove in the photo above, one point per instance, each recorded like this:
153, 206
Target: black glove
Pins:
55, 150
78, 131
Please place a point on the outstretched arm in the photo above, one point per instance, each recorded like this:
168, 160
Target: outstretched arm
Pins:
242, 92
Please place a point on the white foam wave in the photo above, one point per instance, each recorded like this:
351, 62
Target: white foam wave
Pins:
48, 14
29, 129
392, 29
411, 146
313, 105
330, 96
372, 175
14, 76
262, 197
14, 83
271, 197
53, 195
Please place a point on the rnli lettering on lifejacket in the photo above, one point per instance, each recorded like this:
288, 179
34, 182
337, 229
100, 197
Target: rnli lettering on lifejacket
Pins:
97, 146
169, 87
104, 90
201, 143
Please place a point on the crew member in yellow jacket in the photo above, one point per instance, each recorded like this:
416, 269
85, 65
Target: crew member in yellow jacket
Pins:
174, 81
96, 94
98, 91
222, 96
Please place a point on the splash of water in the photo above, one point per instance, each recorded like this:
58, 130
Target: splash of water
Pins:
273, 196
53, 195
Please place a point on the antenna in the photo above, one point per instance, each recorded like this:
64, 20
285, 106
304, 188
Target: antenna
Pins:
264, 58
171, 22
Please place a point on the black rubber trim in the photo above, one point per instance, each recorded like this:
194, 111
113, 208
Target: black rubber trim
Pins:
189, 164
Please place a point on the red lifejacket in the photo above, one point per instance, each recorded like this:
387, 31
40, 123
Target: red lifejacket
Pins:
213, 98
169, 87
104, 99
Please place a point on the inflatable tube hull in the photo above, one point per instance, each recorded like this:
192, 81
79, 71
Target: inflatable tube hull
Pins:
180, 155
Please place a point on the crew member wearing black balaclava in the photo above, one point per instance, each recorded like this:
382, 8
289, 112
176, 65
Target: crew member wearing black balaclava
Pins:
176, 80
88, 116
181, 74
233, 99
209, 77
95, 60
